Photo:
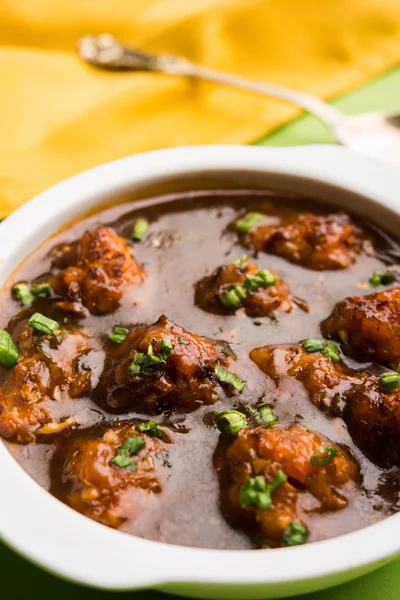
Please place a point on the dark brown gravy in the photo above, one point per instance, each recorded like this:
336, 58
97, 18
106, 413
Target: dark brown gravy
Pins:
188, 238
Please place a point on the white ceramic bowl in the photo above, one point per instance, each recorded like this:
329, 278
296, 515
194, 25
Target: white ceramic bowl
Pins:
52, 535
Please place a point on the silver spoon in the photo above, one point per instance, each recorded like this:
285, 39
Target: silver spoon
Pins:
376, 133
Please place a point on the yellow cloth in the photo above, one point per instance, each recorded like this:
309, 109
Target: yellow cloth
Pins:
59, 116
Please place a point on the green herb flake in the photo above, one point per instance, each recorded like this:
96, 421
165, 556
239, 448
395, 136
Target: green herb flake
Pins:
22, 292
123, 462
295, 534
267, 414
332, 351
118, 335
323, 456
182, 341
233, 297
139, 229
230, 421
311, 345
262, 414
261, 279
146, 364
256, 491
248, 221
241, 260
328, 349
253, 412
151, 428
382, 278
132, 445
389, 381
43, 324
41, 290
165, 348
225, 376
9, 353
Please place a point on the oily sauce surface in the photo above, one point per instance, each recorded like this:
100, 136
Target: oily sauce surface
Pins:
187, 239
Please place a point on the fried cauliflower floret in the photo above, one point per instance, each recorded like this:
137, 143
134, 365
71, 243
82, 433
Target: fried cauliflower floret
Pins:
371, 414
314, 241
162, 366
373, 418
103, 270
271, 452
240, 278
369, 326
95, 481
50, 370
324, 380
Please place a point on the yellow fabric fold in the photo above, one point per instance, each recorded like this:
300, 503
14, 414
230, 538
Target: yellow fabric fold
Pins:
59, 116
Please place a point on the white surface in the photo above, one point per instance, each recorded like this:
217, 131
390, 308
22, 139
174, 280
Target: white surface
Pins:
54, 536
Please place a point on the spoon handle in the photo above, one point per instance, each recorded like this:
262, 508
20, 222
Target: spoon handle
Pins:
106, 52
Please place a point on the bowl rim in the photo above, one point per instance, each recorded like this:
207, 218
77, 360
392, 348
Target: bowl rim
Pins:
52, 535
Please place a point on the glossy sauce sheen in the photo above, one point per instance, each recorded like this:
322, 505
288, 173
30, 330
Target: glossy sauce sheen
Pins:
187, 239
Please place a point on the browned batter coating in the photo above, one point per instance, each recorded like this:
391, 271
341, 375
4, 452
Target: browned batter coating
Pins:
369, 326
104, 268
51, 370
184, 381
371, 414
373, 418
104, 491
258, 303
325, 381
264, 452
314, 241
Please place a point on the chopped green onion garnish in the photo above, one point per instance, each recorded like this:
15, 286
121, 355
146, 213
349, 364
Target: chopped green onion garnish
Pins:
131, 446
22, 292
258, 492
314, 345
182, 341
295, 534
329, 349
118, 335
9, 353
165, 348
139, 229
225, 376
230, 421
135, 368
241, 259
323, 456
381, 278
123, 461
147, 364
41, 290
248, 221
26, 295
152, 428
267, 414
262, 414
43, 324
389, 381
261, 279
234, 296
332, 351
253, 413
